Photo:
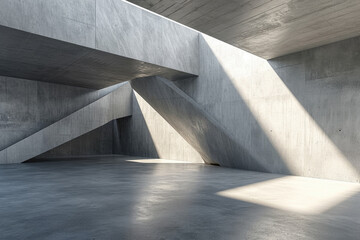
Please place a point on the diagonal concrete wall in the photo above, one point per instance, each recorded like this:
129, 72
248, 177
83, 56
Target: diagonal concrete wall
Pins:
29, 106
112, 106
197, 127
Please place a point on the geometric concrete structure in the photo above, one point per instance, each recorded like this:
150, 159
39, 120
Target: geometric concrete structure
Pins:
30, 56
115, 105
271, 116
278, 110
130, 125
90, 44
199, 129
115, 27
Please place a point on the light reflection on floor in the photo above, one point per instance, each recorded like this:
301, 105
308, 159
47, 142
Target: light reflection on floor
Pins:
110, 197
296, 194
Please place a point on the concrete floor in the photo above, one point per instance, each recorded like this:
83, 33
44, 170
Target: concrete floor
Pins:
133, 198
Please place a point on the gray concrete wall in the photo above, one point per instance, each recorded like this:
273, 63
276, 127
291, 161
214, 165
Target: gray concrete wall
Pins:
194, 124
115, 105
96, 142
296, 114
28, 106
113, 26
146, 133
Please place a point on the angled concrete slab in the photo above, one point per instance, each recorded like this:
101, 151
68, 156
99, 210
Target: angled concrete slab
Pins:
197, 127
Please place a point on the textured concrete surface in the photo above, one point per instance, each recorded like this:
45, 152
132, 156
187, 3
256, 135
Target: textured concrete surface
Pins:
134, 198
287, 121
95, 142
71, 20
29, 106
114, 26
127, 30
325, 81
295, 114
266, 28
146, 133
292, 115
198, 128
114, 105
30, 56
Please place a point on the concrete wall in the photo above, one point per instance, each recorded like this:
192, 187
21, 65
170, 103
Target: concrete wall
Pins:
112, 26
28, 106
115, 105
146, 133
195, 125
296, 114
96, 142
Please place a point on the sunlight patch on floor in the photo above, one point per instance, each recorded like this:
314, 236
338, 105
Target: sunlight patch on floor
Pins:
295, 194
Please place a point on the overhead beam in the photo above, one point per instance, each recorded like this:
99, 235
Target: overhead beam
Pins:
92, 44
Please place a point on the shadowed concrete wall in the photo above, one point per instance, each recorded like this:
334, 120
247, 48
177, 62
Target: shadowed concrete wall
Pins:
28, 106
115, 105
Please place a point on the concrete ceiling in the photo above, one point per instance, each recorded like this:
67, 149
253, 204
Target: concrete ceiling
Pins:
267, 28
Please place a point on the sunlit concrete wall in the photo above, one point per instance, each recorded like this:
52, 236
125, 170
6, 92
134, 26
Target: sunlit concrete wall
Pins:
297, 114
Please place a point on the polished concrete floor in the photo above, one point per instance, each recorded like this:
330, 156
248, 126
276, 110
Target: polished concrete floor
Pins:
133, 198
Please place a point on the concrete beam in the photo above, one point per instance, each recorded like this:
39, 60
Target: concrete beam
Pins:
30, 56
92, 44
